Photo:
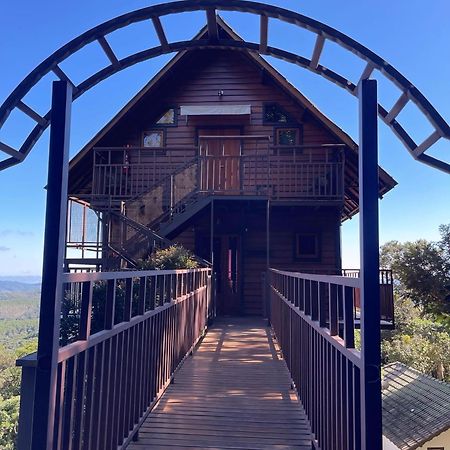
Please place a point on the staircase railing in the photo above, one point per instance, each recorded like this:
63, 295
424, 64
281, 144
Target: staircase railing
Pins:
109, 240
165, 198
134, 329
287, 173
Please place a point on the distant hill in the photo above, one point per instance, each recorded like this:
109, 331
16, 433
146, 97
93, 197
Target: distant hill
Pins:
18, 286
28, 279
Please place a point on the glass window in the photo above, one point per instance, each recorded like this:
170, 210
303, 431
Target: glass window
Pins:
273, 113
153, 139
168, 118
287, 136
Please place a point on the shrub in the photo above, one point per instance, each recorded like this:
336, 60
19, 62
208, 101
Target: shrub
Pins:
171, 258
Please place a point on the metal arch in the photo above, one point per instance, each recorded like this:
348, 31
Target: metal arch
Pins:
154, 13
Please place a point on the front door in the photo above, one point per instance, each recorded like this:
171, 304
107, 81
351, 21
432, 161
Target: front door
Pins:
228, 268
220, 161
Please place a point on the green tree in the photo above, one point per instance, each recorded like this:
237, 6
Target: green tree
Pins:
9, 418
422, 272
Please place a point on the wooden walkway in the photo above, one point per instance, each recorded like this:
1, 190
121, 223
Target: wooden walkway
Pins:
234, 393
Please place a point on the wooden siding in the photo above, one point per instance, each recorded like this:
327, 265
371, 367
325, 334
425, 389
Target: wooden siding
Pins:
198, 81
247, 219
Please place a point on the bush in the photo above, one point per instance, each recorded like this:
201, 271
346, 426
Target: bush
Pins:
171, 258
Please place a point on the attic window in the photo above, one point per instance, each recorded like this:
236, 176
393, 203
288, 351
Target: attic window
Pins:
273, 113
168, 118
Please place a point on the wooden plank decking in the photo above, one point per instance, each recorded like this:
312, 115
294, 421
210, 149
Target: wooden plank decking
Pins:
234, 393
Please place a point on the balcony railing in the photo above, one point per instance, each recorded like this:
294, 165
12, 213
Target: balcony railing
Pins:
386, 296
129, 333
277, 172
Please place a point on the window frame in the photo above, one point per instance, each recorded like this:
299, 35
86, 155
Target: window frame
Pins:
277, 130
175, 118
288, 122
156, 130
312, 257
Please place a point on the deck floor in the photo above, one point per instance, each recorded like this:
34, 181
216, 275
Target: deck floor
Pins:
233, 393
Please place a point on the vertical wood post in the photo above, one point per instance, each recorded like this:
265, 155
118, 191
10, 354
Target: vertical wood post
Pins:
371, 420
52, 288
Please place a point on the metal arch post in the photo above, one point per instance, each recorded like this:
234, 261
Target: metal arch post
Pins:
371, 415
52, 287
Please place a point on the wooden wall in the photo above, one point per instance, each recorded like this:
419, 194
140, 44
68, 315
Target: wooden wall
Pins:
247, 219
197, 81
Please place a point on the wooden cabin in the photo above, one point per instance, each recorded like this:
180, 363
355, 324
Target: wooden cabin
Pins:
219, 152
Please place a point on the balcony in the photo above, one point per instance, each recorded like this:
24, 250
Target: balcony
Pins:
257, 169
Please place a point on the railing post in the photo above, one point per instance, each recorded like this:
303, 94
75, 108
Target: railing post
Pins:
371, 420
52, 289
27, 384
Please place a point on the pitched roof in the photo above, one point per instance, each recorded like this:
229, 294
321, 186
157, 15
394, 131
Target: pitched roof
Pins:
416, 407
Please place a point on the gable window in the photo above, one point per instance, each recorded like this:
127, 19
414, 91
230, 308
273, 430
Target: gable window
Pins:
307, 246
168, 118
153, 139
287, 136
273, 113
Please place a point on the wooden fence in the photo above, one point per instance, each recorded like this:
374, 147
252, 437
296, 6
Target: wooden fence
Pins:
132, 331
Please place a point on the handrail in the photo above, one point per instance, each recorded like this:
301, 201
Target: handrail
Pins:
109, 379
326, 368
336, 279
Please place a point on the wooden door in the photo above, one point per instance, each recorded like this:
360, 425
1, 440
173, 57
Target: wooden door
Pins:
221, 157
228, 269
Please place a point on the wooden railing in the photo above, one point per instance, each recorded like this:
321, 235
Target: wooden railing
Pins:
386, 295
320, 353
132, 332
277, 178
296, 172
123, 173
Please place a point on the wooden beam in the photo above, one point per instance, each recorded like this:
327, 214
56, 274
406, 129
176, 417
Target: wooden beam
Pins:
213, 30
318, 47
264, 31
160, 33
11, 152
398, 106
427, 143
31, 113
108, 51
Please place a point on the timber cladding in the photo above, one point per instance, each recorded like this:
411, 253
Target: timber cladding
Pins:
247, 220
197, 80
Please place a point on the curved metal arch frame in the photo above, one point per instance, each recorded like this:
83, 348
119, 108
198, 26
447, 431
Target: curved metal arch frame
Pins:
265, 12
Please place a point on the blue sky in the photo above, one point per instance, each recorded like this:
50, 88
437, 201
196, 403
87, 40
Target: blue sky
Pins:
412, 36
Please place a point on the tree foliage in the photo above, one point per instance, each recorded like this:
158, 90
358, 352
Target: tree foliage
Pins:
422, 272
171, 258
422, 304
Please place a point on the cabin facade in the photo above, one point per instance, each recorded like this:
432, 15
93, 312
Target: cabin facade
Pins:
220, 154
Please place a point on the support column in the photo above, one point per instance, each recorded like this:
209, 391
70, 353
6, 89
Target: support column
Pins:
52, 289
371, 418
